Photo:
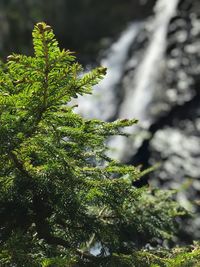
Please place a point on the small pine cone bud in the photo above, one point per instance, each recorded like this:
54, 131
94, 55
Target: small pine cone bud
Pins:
102, 70
47, 28
124, 120
11, 58
40, 26
17, 82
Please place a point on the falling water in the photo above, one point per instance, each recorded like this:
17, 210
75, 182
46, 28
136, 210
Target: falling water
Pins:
140, 91
102, 104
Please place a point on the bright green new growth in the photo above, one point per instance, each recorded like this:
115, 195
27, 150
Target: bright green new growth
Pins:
60, 193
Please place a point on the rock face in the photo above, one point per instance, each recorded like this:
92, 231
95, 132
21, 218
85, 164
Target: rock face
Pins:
159, 83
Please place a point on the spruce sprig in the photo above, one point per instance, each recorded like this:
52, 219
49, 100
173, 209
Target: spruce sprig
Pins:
60, 193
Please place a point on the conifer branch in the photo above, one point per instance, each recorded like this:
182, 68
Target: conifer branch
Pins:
19, 165
58, 161
90, 242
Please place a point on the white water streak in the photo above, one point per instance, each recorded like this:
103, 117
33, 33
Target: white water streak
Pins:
102, 104
140, 91
139, 94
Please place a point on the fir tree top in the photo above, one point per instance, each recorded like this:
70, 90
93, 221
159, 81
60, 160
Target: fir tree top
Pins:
60, 193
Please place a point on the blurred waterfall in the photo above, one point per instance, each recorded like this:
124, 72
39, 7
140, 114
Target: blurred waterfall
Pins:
153, 75
102, 104
140, 91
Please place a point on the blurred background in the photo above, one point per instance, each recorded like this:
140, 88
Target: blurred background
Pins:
152, 51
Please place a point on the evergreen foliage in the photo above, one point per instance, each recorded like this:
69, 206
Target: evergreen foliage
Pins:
60, 192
